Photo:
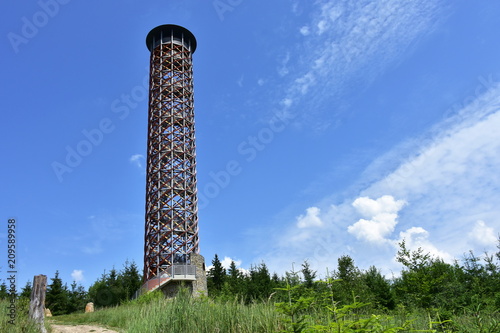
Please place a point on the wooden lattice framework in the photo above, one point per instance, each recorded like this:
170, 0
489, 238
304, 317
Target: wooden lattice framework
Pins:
171, 226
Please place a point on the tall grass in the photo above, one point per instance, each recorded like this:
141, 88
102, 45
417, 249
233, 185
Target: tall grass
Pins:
153, 313
21, 323
184, 314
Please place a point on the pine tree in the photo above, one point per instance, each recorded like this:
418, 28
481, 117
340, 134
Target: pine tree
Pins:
309, 275
216, 277
26, 291
234, 279
379, 288
259, 285
57, 296
99, 292
77, 298
351, 285
130, 279
4, 292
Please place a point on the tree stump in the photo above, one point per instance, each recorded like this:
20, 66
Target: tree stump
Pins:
37, 301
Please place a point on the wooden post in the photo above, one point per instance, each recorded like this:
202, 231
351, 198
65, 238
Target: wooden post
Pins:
37, 300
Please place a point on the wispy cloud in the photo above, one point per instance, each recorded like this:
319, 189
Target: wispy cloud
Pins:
138, 160
102, 230
346, 39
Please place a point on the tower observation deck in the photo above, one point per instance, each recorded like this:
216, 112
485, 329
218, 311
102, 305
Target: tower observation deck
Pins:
171, 221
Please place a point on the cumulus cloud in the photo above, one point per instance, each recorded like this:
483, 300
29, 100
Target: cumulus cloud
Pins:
137, 159
311, 219
382, 218
226, 263
385, 204
483, 235
77, 275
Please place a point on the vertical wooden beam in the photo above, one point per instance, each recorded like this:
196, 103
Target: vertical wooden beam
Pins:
37, 301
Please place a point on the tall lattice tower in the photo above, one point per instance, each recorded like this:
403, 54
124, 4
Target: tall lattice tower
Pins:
171, 235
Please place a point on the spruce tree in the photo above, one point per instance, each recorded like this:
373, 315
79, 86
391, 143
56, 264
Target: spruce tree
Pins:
234, 279
26, 291
216, 277
77, 298
379, 289
309, 275
130, 279
57, 296
4, 292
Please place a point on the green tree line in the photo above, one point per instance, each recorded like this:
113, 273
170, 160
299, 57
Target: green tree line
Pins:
110, 289
425, 282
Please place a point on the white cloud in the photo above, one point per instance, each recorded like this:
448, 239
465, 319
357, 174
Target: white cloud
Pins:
483, 235
287, 102
449, 180
449, 176
305, 30
283, 69
226, 263
239, 82
77, 275
418, 237
385, 204
382, 214
351, 39
311, 219
452, 178
137, 159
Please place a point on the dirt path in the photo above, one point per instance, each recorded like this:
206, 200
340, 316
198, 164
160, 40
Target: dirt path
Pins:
79, 329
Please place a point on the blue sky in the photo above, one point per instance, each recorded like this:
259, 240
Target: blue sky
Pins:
323, 128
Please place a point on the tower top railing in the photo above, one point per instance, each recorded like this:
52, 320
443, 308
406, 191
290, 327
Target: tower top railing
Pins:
170, 33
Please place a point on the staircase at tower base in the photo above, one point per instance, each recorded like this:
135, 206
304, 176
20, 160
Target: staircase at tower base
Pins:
191, 276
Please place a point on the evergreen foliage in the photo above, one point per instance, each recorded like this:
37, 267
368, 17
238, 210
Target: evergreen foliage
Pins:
4, 292
216, 277
26, 291
115, 287
56, 298
77, 298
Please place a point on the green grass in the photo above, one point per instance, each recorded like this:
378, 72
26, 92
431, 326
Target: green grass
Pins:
183, 314
152, 313
21, 322
188, 315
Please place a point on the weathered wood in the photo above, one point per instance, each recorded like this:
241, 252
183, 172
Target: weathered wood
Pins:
37, 300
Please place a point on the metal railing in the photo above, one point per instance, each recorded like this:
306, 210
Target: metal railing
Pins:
182, 271
175, 272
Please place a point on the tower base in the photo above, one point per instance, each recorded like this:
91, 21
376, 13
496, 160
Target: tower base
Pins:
197, 287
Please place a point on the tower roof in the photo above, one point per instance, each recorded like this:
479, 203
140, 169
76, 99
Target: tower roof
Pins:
166, 32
